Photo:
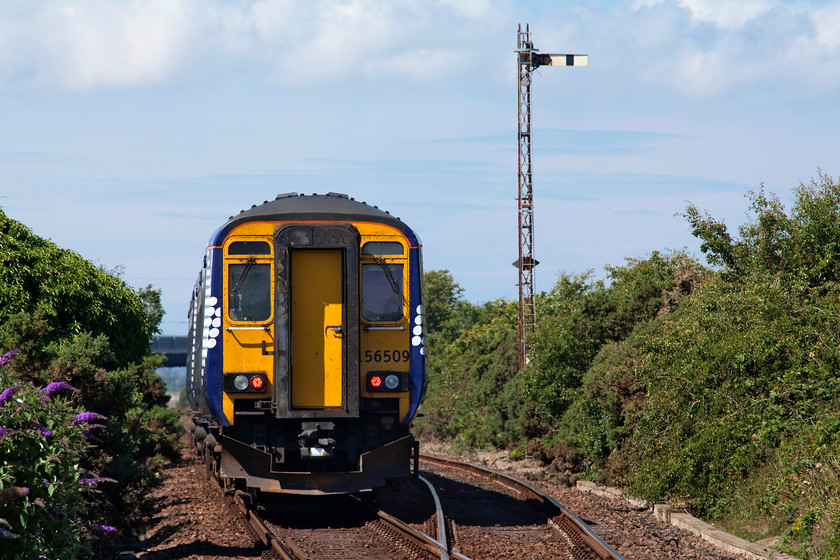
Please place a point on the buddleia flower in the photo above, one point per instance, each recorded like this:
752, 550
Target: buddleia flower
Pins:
42, 430
57, 386
7, 395
95, 480
86, 418
8, 356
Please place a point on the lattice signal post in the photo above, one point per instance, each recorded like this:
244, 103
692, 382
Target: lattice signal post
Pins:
527, 60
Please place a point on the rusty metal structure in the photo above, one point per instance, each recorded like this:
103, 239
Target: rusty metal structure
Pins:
525, 199
528, 58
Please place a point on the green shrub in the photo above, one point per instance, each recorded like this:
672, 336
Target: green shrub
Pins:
76, 324
44, 488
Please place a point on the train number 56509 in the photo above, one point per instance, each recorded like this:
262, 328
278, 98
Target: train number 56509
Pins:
386, 356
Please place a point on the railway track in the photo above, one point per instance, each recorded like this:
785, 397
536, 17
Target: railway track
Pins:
315, 528
528, 523
451, 510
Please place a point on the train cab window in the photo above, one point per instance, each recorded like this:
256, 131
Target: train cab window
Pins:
382, 291
249, 248
382, 248
249, 288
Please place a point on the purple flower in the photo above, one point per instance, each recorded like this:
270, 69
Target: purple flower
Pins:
86, 418
7, 395
57, 386
104, 528
8, 356
4, 432
43, 431
95, 480
6, 534
89, 435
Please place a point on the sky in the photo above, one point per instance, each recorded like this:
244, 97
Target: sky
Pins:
129, 131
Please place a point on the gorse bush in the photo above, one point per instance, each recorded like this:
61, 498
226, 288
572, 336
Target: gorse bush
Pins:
741, 417
473, 391
716, 388
580, 384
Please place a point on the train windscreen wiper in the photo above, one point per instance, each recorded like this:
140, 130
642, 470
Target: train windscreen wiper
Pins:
390, 277
248, 264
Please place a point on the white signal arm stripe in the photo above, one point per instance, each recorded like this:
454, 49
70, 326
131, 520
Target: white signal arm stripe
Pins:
569, 59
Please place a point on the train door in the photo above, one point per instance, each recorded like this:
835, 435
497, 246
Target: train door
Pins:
317, 328
317, 321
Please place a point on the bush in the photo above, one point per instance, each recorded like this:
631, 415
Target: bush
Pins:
740, 418
473, 396
79, 325
44, 487
580, 384
73, 296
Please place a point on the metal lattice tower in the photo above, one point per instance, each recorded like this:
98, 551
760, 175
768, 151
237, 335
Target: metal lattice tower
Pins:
525, 199
527, 60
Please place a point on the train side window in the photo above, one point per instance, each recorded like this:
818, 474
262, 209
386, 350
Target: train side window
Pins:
383, 248
249, 248
249, 287
382, 291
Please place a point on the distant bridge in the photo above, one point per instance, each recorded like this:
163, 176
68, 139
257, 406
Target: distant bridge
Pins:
175, 348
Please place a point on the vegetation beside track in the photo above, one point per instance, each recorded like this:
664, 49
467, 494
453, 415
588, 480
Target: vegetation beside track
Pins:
83, 423
717, 387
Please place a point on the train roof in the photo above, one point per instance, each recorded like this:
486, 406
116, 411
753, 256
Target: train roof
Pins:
332, 207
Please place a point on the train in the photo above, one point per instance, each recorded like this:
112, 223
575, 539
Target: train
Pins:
307, 348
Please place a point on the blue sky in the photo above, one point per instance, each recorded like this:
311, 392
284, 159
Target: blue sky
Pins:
130, 130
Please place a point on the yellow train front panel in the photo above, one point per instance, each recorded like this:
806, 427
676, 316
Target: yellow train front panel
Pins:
316, 315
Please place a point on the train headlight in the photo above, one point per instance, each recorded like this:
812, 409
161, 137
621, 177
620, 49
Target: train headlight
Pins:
392, 381
240, 382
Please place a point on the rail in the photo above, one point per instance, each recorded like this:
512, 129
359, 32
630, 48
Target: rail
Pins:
551, 507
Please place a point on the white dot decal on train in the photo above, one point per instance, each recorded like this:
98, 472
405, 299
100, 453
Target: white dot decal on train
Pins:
418, 330
416, 341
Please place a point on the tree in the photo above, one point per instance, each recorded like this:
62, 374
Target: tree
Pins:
37, 277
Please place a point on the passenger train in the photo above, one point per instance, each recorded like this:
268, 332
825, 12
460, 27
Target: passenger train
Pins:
306, 364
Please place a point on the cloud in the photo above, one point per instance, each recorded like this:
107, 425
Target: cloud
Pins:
82, 45
695, 48
728, 14
710, 47
87, 44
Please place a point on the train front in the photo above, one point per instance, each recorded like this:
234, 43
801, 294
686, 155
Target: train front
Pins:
310, 363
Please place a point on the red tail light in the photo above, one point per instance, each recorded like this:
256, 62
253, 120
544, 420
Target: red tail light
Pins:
387, 381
